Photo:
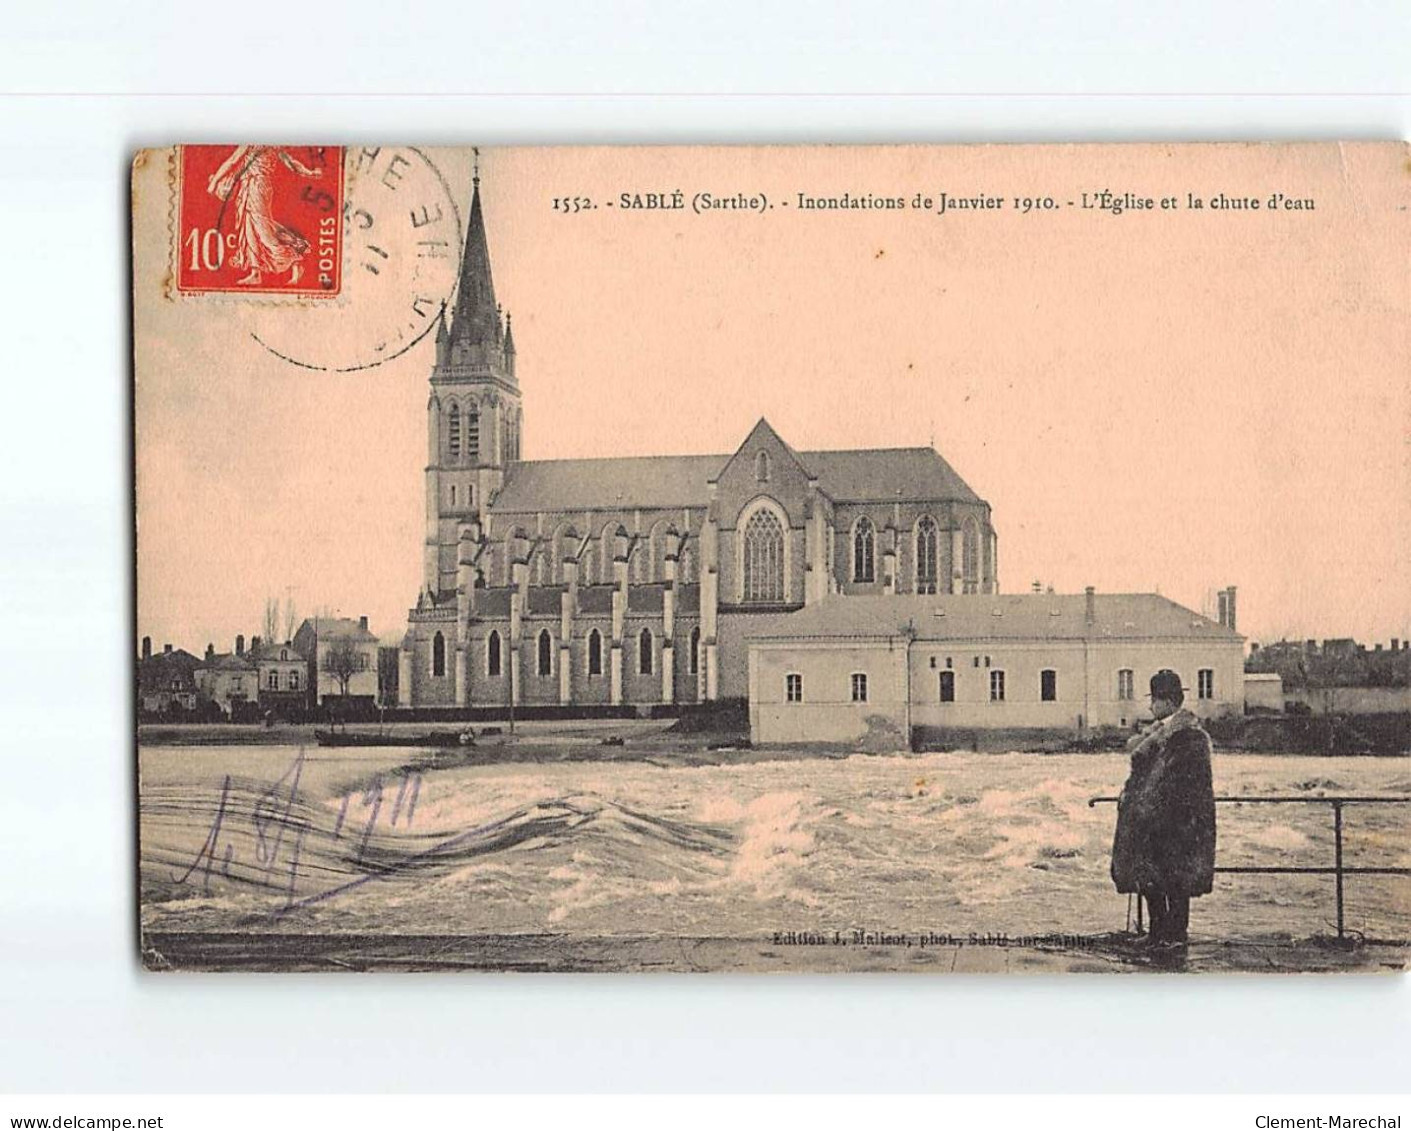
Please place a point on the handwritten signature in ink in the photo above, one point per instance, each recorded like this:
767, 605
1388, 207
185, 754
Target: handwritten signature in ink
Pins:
281, 829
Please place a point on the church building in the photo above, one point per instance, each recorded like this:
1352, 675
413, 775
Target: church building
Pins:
637, 581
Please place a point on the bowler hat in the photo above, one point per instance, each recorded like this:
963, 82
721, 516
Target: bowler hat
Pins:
1166, 684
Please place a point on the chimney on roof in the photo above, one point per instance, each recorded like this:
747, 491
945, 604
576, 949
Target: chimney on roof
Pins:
166, 649
240, 645
1230, 621
146, 647
1090, 606
362, 623
254, 644
1223, 601
210, 652
1395, 643
1310, 646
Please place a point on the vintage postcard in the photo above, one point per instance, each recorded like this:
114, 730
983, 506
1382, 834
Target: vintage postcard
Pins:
937, 559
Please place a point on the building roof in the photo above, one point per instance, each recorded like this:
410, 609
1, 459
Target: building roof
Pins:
1017, 616
163, 667
868, 475
271, 651
335, 628
227, 662
607, 484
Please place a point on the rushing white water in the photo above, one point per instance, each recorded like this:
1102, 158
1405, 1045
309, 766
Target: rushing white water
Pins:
950, 842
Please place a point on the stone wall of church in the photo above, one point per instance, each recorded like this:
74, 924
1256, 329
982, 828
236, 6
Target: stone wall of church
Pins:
895, 527
484, 689
558, 532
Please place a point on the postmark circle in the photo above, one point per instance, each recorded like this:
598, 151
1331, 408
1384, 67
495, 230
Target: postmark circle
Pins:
401, 259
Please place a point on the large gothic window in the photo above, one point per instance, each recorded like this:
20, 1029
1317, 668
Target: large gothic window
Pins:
926, 555
864, 551
764, 557
472, 434
438, 655
970, 556
455, 432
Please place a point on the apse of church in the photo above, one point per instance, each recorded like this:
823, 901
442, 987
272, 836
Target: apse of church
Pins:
638, 581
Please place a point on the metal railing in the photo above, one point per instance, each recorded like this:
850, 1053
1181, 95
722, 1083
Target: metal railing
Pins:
1339, 869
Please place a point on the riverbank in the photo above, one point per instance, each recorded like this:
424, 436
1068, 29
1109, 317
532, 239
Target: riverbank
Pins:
655, 740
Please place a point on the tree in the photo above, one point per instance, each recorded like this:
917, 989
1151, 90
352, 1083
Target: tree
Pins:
291, 617
272, 621
342, 659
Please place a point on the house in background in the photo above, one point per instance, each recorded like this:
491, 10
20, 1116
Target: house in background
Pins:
166, 682
847, 667
228, 679
283, 677
340, 654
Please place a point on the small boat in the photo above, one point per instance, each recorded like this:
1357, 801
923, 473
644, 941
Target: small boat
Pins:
362, 738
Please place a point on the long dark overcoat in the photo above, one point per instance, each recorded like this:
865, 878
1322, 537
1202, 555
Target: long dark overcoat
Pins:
1165, 838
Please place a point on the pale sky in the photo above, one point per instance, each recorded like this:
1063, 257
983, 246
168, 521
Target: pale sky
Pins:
1166, 400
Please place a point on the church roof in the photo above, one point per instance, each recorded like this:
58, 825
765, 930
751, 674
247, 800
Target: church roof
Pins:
606, 484
887, 474
1014, 616
868, 475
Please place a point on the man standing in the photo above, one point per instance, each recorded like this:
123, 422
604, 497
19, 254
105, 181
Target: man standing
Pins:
1164, 846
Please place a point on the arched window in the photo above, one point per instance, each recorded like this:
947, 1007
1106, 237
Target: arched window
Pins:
926, 555
644, 652
685, 565
455, 432
492, 654
864, 551
693, 661
764, 557
284, 653
453, 494
472, 434
761, 467
546, 653
595, 652
970, 556
438, 655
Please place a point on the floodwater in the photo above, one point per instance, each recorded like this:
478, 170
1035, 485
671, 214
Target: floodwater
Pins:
306, 842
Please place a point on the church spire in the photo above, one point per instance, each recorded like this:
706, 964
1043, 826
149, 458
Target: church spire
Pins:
476, 320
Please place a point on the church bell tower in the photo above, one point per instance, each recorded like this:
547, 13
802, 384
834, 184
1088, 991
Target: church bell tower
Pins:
473, 413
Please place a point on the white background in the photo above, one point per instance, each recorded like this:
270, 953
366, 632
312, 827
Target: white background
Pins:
87, 85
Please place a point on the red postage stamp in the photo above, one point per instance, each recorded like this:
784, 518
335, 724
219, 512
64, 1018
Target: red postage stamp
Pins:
260, 218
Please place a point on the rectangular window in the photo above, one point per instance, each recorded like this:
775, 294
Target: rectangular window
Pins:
996, 686
859, 687
1048, 685
1124, 684
793, 688
274, 681
947, 687
293, 681
1205, 683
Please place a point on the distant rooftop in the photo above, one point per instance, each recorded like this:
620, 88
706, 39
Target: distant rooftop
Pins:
1015, 616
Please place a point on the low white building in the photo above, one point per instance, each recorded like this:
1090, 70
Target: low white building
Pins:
835, 671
